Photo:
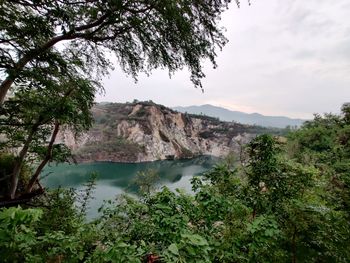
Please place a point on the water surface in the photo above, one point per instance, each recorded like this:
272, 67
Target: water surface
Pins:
116, 178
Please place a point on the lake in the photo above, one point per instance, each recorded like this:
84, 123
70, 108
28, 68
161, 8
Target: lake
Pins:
116, 178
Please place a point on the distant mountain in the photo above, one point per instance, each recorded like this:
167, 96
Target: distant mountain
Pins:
241, 117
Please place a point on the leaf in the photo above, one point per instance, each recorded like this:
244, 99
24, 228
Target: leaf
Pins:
196, 239
173, 249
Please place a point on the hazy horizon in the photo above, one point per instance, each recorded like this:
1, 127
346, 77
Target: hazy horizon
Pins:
185, 106
283, 59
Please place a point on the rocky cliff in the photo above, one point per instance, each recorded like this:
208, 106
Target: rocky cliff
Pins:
145, 131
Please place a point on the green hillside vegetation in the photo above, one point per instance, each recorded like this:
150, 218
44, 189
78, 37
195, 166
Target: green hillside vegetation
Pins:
288, 201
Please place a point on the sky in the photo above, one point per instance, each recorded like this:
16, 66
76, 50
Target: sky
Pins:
289, 58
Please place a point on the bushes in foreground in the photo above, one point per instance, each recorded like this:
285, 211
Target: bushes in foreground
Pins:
286, 203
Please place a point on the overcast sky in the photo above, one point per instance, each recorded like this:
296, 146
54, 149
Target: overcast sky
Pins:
289, 57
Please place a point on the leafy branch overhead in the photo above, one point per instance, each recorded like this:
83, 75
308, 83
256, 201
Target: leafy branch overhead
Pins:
143, 34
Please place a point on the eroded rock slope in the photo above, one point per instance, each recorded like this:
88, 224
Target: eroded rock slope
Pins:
145, 131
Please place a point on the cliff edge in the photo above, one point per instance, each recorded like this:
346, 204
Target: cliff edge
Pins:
145, 131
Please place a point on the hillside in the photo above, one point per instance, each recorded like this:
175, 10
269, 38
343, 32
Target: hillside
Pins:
145, 131
241, 117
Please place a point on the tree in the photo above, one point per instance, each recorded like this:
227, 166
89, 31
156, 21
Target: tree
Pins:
146, 181
45, 45
143, 35
346, 112
325, 143
35, 115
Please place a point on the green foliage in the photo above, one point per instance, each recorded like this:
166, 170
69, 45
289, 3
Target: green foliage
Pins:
146, 181
190, 248
17, 235
284, 203
324, 142
263, 235
32, 117
275, 207
55, 232
345, 109
7, 163
136, 32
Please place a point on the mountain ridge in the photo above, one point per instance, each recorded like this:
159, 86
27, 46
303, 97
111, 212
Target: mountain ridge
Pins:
241, 117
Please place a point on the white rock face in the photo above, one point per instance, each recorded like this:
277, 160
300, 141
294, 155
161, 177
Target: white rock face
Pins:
148, 132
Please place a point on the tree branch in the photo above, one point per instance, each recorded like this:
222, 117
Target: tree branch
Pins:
47, 158
19, 161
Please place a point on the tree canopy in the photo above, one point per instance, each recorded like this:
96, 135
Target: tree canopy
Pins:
36, 36
54, 53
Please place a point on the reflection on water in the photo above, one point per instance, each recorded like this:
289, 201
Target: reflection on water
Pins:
114, 178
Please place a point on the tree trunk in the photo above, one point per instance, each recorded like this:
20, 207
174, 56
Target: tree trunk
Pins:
5, 86
294, 247
254, 213
47, 158
19, 161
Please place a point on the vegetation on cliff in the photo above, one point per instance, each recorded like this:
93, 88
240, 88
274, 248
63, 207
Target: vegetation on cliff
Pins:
287, 202
146, 131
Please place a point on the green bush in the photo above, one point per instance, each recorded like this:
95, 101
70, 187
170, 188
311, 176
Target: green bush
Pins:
7, 164
274, 207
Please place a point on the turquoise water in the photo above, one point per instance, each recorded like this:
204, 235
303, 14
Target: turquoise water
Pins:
116, 178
